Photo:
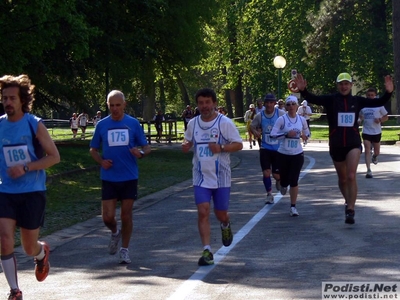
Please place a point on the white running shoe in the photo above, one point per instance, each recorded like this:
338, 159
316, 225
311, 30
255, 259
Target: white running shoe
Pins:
124, 256
113, 245
374, 159
270, 199
293, 211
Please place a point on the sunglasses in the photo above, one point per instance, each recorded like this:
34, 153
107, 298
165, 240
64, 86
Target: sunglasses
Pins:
290, 103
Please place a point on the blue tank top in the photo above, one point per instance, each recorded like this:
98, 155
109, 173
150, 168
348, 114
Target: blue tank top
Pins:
17, 148
266, 125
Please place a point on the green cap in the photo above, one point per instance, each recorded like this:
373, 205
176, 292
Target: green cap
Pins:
344, 77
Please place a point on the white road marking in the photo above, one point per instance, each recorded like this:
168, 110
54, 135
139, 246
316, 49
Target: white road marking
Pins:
189, 285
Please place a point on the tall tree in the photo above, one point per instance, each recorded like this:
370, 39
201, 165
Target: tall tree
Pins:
396, 51
350, 36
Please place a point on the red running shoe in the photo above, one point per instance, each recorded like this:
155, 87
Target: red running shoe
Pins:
42, 267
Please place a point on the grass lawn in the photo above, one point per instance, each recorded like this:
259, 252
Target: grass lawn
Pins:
389, 134
321, 133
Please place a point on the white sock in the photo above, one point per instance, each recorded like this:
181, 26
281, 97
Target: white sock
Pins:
9, 265
41, 254
223, 226
207, 247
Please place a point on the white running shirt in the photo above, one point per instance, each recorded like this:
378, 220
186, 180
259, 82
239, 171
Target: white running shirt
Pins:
284, 124
211, 170
370, 114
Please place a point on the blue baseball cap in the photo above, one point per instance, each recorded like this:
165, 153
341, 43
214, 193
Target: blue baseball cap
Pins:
269, 97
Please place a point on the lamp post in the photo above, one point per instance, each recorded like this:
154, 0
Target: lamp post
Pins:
279, 63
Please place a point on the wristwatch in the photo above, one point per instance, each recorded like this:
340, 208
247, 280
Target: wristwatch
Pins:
222, 148
141, 153
26, 168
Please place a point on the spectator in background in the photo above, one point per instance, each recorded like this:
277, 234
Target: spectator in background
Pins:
73, 123
196, 112
305, 111
281, 105
158, 119
187, 115
260, 106
222, 110
248, 117
83, 120
372, 118
96, 118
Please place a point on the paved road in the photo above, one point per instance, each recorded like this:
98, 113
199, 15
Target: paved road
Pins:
273, 256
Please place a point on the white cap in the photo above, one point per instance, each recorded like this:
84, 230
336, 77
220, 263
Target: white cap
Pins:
251, 106
304, 103
291, 98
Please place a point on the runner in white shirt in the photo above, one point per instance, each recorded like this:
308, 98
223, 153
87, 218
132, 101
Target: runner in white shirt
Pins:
213, 137
305, 111
371, 119
73, 123
96, 118
83, 120
290, 127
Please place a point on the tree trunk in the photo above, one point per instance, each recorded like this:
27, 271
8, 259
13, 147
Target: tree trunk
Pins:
239, 97
396, 51
149, 100
182, 88
230, 101
163, 102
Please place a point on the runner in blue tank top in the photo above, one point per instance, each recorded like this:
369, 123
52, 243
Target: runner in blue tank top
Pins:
22, 179
265, 121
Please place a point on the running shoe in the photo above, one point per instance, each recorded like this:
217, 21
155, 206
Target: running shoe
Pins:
251, 147
369, 174
283, 190
227, 236
278, 185
124, 257
254, 142
206, 258
113, 245
270, 199
293, 211
15, 295
374, 159
350, 216
42, 267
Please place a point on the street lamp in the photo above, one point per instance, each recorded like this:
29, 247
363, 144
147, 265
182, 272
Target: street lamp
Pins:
279, 63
